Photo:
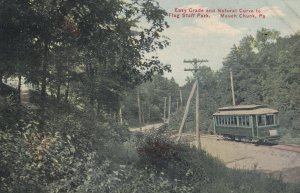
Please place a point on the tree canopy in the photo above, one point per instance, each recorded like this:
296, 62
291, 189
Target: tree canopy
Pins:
88, 49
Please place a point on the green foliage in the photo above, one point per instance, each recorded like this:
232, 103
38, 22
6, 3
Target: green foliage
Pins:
74, 152
265, 71
39, 162
210, 101
291, 136
153, 163
56, 155
152, 95
89, 52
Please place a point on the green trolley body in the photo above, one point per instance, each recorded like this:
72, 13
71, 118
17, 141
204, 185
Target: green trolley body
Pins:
252, 122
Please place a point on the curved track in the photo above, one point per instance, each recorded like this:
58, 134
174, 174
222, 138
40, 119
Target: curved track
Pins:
287, 147
282, 161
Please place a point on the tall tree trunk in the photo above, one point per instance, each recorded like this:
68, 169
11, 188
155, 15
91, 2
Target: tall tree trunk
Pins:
44, 85
121, 116
19, 86
98, 108
44, 76
67, 91
44, 82
59, 79
149, 113
1, 77
58, 95
1, 81
90, 70
143, 115
139, 108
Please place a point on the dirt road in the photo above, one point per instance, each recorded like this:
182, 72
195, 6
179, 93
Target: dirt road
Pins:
249, 156
146, 127
278, 162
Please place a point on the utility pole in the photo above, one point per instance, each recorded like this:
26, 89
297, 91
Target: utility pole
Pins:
169, 110
186, 111
143, 114
232, 89
121, 116
149, 113
165, 108
195, 63
139, 108
180, 94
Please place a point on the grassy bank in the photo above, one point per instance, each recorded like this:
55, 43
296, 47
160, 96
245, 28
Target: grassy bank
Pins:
69, 150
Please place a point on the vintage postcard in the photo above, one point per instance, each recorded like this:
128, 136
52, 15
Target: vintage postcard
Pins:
138, 96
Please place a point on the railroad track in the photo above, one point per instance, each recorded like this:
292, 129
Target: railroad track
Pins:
190, 137
283, 147
287, 147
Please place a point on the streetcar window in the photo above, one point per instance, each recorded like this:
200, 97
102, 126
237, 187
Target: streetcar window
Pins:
247, 121
244, 120
269, 119
261, 120
240, 121
234, 120
227, 120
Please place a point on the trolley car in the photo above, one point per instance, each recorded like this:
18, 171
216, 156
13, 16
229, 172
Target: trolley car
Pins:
255, 123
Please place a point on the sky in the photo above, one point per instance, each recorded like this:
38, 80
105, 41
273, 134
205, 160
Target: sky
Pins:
212, 38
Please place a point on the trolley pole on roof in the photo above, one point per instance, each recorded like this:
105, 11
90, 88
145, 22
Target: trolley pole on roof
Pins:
196, 68
232, 88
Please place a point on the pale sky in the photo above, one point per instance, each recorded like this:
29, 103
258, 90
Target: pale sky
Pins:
211, 38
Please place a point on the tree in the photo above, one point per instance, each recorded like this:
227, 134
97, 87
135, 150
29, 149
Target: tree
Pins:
107, 37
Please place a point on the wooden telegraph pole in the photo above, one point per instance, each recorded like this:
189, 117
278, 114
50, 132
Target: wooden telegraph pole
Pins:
232, 89
165, 109
180, 94
121, 116
195, 62
139, 108
169, 110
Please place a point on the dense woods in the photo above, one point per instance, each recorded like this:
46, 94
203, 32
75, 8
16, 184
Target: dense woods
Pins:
266, 70
88, 62
81, 50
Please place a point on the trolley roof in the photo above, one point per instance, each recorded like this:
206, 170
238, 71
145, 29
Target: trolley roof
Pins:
245, 110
